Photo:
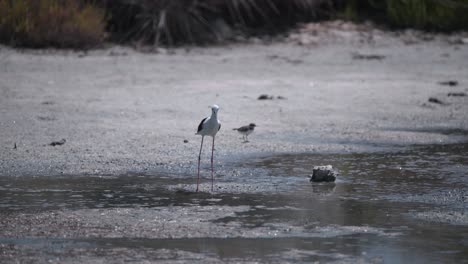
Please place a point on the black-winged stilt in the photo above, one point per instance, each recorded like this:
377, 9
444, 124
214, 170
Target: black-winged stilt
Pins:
209, 126
245, 131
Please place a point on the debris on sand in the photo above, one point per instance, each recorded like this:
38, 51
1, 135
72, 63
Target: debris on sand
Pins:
185, 141
286, 59
358, 56
265, 97
457, 94
58, 143
15, 147
323, 174
435, 101
46, 118
449, 83
270, 97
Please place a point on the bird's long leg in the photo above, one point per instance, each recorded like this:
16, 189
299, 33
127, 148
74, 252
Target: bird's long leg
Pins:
212, 170
199, 158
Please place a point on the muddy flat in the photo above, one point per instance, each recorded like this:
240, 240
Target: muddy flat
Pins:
99, 154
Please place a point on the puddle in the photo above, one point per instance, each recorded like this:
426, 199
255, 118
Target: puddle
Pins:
404, 206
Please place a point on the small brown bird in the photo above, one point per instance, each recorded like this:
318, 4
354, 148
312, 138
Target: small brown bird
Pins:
245, 131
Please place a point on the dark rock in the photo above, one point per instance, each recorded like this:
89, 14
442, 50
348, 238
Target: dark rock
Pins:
58, 143
15, 147
323, 174
457, 94
449, 83
265, 97
185, 141
435, 100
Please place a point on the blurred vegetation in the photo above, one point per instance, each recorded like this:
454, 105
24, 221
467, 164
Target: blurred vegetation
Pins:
201, 21
84, 23
433, 15
43, 23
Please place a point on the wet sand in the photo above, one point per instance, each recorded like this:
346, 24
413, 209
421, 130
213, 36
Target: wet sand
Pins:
121, 187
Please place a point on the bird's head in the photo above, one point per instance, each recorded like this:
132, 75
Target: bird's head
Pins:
214, 109
252, 125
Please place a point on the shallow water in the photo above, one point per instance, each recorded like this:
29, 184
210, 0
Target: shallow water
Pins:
404, 206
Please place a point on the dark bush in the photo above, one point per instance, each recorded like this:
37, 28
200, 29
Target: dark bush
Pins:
434, 15
82, 23
58, 23
199, 21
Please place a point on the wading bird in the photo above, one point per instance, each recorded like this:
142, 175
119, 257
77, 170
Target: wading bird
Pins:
245, 131
209, 126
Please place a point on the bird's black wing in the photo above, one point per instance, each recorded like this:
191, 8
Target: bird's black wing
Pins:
219, 127
200, 126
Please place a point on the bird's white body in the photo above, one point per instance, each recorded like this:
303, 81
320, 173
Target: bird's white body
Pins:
210, 126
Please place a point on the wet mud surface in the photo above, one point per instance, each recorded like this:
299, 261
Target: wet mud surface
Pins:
408, 205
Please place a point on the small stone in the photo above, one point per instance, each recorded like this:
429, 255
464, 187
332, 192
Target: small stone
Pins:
323, 174
185, 141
